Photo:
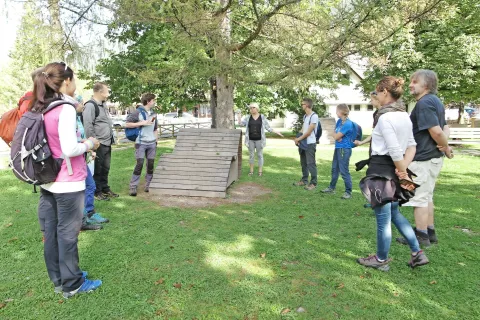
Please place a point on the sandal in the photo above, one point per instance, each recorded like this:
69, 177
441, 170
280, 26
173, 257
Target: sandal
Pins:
260, 174
250, 173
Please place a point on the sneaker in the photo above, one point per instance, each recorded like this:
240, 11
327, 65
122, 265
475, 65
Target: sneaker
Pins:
111, 194
100, 197
328, 190
91, 227
299, 184
423, 239
133, 191
372, 262
432, 236
419, 260
97, 218
147, 189
59, 289
87, 286
310, 187
346, 196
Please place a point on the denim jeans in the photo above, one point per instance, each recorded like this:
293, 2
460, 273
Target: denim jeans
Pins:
340, 163
309, 164
89, 192
385, 215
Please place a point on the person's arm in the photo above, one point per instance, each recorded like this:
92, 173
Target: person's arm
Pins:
133, 121
311, 127
89, 119
446, 130
67, 123
266, 126
347, 126
244, 121
439, 136
364, 141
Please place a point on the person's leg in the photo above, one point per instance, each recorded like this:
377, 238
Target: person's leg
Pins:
343, 164
384, 230
137, 171
98, 172
303, 162
151, 153
251, 152
106, 169
312, 162
404, 227
335, 169
70, 208
89, 192
259, 149
47, 216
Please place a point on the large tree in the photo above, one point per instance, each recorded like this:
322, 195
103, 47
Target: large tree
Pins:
288, 43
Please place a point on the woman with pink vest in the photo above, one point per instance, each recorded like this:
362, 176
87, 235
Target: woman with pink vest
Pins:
60, 209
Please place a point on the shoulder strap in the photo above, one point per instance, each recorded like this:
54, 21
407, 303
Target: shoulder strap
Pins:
55, 104
97, 108
310, 121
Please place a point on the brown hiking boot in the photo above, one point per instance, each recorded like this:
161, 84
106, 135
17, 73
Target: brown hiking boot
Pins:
372, 262
419, 260
422, 238
299, 184
310, 187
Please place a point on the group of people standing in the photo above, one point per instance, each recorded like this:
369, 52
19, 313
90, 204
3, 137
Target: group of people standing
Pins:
405, 159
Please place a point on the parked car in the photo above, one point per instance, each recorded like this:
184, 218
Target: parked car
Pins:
118, 122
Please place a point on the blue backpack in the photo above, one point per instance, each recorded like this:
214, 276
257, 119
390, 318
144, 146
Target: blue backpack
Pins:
133, 133
357, 130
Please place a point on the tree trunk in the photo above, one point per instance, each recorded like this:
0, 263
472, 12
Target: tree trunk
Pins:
224, 116
213, 102
461, 109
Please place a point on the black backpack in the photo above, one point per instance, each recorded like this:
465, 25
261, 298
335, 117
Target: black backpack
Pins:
31, 158
318, 130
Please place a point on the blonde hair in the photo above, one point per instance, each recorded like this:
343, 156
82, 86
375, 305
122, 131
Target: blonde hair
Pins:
393, 85
343, 108
254, 105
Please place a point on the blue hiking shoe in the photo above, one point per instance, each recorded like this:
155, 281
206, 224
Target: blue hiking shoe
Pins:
87, 286
97, 218
59, 289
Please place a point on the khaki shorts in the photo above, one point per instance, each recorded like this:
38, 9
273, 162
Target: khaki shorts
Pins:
427, 173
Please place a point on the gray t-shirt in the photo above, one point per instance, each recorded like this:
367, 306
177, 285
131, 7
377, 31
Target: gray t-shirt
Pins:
307, 121
428, 113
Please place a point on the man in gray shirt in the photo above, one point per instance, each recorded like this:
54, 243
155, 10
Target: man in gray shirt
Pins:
98, 124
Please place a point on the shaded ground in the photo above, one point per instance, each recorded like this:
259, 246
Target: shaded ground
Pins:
243, 192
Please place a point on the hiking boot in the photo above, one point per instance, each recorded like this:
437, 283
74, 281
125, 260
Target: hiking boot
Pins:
422, 238
419, 260
91, 227
432, 236
147, 189
133, 191
299, 184
87, 286
328, 190
310, 187
346, 196
97, 218
59, 289
100, 197
111, 194
372, 262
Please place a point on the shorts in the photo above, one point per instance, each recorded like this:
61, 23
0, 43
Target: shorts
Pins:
427, 173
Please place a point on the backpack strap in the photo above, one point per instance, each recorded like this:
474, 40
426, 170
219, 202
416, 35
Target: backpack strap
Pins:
97, 108
144, 115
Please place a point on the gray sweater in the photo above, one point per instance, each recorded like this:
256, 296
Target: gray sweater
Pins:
99, 127
147, 134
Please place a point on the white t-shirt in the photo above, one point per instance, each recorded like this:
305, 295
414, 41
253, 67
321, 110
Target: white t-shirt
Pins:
307, 123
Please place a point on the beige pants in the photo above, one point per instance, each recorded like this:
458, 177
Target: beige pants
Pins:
427, 173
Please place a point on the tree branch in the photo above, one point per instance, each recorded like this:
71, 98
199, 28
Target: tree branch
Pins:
79, 13
78, 19
224, 9
260, 23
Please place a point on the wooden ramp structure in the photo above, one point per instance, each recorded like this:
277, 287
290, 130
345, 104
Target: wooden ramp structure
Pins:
204, 163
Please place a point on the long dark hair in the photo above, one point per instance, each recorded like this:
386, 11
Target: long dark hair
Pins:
47, 84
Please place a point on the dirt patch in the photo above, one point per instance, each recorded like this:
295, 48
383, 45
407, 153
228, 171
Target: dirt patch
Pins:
238, 193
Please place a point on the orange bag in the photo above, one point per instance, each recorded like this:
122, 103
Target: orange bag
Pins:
9, 120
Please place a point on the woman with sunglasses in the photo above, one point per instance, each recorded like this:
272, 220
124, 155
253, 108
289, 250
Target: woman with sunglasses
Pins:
255, 139
392, 149
60, 209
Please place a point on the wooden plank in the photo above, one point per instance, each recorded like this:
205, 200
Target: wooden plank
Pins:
188, 193
212, 162
195, 187
184, 156
208, 134
229, 149
235, 131
167, 176
206, 174
196, 153
191, 169
189, 183
463, 141
206, 143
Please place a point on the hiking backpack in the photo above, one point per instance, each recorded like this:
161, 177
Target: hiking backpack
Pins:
133, 133
357, 130
31, 158
10, 119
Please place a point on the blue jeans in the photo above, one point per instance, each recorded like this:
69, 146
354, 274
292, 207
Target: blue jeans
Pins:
385, 215
89, 192
340, 163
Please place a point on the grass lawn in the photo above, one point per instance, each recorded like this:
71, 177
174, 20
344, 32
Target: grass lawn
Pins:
263, 260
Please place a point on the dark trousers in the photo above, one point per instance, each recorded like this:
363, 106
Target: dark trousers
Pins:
60, 216
142, 151
309, 164
102, 168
